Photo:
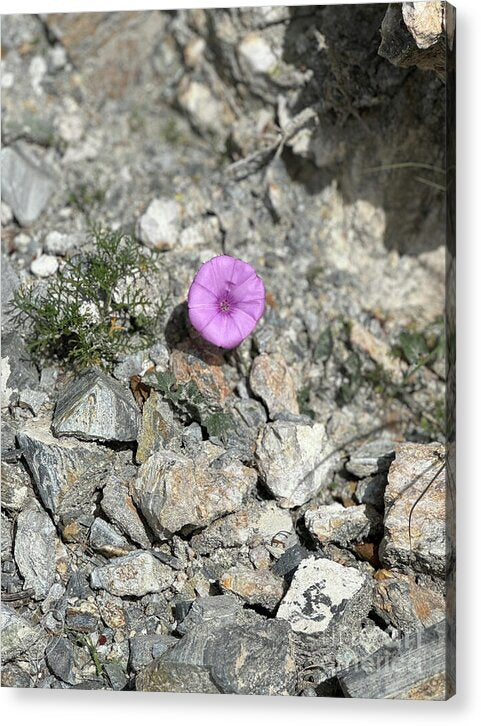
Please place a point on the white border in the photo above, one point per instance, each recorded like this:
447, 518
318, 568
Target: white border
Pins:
69, 707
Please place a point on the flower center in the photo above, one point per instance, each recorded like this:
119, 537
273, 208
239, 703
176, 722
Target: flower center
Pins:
224, 306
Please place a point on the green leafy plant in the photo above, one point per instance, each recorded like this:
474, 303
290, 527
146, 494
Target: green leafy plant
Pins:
191, 405
94, 309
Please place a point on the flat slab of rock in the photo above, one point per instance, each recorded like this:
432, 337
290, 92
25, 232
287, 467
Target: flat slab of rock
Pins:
26, 185
343, 525
258, 523
135, 574
65, 471
271, 380
35, 541
213, 611
253, 657
165, 676
324, 594
415, 510
294, 460
156, 427
255, 587
96, 407
175, 492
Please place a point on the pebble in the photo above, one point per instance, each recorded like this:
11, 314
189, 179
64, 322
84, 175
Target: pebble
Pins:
255, 587
159, 226
343, 525
44, 266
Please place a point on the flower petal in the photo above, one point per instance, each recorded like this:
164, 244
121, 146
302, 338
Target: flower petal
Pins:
223, 331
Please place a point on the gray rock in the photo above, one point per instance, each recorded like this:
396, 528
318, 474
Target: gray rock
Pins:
163, 676
212, 611
254, 657
371, 491
10, 283
60, 660
26, 185
33, 400
175, 492
343, 525
294, 460
83, 617
255, 587
144, 648
415, 510
18, 635
35, 541
106, 540
15, 487
96, 407
65, 472
371, 458
58, 243
290, 560
135, 574
18, 371
323, 594
156, 427
44, 266
116, 675
119, 507
405, 604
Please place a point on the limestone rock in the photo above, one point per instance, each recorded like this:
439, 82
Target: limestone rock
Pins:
271, 380
135, 574
343, 525
26, 185
15, 487
35, 541
191, 363
159, 226
18, 635
415, 531
322, 594
178, 493
117, 504
257, 523
66, 472
294, 460
255, 587
96, 407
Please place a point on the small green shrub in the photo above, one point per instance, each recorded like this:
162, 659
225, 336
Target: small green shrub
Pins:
94, 309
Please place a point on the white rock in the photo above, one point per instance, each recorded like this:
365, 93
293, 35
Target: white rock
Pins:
57, 243
294, 460
205, 233
323, 592
159, 226
342, 525
135, 574
44, 266
37, 70
22, 242
57, 57
258, 54
70, 127
205, 111
7, 214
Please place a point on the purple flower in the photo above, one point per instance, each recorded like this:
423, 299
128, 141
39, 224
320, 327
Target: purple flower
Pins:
226, 299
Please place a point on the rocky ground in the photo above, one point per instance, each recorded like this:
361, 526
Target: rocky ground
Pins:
142, 546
